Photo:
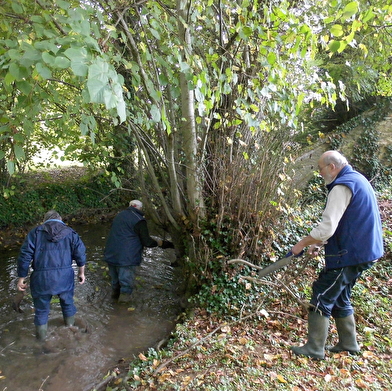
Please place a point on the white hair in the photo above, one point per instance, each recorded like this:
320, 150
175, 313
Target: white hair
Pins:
336, 158
136, 204
52, 215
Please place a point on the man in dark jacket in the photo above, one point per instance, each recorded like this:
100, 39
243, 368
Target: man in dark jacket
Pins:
51, 248
124, 247
351, 233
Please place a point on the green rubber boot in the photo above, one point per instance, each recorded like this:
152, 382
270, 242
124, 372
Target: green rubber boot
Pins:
347, 336
124, 298
41, 331
69, 321
317, 335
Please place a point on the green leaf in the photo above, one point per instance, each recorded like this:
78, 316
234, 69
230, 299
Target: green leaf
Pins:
271, 58
79, 60
155, 113
10, 167
245, 32
368, 16
48, 58
44, 71
9, 79
19, 152
31, 56
14, 70
96, 90
337, 30
16, 7
334, 46
13, 54
24, 86
349, 10
121, 110
61, 62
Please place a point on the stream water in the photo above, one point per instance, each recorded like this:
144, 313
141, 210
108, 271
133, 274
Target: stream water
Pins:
105, 333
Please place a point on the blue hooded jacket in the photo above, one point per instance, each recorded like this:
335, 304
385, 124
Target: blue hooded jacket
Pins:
358, 237
50, 249
125, 243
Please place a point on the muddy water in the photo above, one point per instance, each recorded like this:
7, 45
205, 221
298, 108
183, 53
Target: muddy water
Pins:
77, 358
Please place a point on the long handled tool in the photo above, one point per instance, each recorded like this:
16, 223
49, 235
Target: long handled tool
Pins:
288, 258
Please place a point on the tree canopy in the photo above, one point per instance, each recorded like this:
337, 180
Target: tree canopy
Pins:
198, 101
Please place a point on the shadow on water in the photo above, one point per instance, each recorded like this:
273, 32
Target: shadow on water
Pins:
105, 333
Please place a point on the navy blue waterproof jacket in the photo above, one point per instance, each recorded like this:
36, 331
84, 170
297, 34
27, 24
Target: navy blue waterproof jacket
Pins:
51, 249
124, 246
358, 237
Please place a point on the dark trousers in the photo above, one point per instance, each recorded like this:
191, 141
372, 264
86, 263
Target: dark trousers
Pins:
332, 290
123, 278
42, 307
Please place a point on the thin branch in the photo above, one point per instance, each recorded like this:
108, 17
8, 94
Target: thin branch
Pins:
183, 353
53, 19
278, 282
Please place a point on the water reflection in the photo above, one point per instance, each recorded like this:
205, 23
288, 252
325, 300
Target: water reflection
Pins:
76, 358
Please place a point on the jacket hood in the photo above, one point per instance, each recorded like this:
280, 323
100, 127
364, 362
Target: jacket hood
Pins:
56, 230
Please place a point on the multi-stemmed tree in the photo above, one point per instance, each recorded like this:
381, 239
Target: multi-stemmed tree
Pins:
197, 101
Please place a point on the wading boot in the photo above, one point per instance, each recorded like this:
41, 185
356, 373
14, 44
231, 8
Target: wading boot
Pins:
41, 331
115, 294
69, 320
124, 298
317, 335
347, 336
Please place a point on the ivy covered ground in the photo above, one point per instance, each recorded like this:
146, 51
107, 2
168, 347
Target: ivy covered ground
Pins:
250, 350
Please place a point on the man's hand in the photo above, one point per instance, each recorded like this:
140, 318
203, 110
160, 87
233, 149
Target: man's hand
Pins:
314, 250
81, 276
21, 285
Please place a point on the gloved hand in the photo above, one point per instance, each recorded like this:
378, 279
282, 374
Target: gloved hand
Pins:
167, 244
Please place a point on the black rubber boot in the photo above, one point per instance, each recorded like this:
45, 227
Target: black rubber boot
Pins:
347, 336
41, 331
115, 294
317, 335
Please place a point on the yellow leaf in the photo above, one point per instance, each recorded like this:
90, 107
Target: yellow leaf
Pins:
186, 380
226, 329
142, 357
155, 363
360, 383
243, 341
118, 381
281, 379
164, 377
368, 354
269, 357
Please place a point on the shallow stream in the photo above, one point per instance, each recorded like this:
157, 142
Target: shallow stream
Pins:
105, 333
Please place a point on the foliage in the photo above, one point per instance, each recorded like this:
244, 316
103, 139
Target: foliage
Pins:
199, 101
246, 346
365, 154
209, 353
26, 202
225, 292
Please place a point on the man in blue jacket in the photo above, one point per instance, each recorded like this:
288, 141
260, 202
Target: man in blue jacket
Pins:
51, 248
351, 233
124, 247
